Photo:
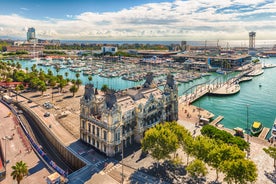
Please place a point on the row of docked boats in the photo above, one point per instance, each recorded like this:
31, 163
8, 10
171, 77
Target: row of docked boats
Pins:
255, 129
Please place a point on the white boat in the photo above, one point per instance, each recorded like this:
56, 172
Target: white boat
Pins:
273, 130
219, 71
35, 59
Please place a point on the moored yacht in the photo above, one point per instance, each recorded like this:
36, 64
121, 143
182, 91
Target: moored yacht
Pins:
273, 130
256, 128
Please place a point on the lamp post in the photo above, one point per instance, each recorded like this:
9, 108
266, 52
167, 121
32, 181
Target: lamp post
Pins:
122, 156
122, 161
247, 130
5, 140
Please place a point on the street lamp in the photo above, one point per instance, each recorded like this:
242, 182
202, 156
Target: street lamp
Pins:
247, 130
122, 144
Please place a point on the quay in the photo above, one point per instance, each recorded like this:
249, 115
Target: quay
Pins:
264, 133
216, 121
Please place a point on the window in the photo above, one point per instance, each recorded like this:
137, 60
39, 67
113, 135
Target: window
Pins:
97, 144
83, 124
93, 142
89, 127
93, 129
104, 148
89, 139
105, 135
98, 132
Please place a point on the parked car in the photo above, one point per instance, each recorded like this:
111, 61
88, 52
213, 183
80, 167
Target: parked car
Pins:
47, 114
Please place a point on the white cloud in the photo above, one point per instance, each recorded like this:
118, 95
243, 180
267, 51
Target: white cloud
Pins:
179, 20
25, 9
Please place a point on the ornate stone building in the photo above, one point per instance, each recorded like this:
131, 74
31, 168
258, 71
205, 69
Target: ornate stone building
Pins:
111, 120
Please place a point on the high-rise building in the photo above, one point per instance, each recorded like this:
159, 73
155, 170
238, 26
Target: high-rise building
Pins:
252, 36
31, 34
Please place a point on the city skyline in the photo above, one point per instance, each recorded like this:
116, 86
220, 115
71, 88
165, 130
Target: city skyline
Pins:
148, 20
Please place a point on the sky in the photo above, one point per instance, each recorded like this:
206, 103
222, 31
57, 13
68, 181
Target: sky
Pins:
145, 20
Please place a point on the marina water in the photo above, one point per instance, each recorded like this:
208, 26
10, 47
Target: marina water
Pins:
258, 95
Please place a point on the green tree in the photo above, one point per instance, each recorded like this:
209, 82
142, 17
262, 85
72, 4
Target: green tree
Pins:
73, 89
240, 171
104, 88
90, 78
202, 145
62, 83
77, 75
188, 146
57, 69
21, 87
223, 152
197, 169
160, 142
52, 83
19, 170
50, 72
271, 151
33, 68
78, 82
179, 131
42, 87
18, 65
66, 75
17, 89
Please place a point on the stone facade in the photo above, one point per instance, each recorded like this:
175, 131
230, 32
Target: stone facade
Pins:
112, 119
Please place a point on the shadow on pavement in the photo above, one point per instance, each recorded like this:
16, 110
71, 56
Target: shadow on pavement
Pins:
271, 176
166, 172
39, 166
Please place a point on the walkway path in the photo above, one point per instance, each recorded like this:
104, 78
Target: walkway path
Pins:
16, 150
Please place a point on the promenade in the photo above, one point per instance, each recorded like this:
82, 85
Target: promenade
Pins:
17, 149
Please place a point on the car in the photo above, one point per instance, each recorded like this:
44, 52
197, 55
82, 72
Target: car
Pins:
30, 101
20, 112
47, 114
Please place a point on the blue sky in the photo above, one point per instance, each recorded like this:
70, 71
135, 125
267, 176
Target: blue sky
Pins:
139, 19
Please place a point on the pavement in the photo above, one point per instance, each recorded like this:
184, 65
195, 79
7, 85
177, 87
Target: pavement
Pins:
17, 149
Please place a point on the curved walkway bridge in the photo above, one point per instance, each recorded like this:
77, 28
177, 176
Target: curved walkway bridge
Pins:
216, 86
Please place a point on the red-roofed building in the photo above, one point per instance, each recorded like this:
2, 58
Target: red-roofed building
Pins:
2, 168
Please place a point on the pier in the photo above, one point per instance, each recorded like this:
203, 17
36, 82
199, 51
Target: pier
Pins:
264, 133
216, 121
215, 87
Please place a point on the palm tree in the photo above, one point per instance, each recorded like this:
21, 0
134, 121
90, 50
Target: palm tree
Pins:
77, 75
66, 75
27, 69
57, 69
17, 89
73, 89
52, 84
90, 78
78, 82
20, 169
104, 88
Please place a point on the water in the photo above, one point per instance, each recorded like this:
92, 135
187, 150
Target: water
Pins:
261, 101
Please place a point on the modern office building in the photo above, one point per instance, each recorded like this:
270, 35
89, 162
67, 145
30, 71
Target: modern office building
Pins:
109, 49
111, 120
31, 34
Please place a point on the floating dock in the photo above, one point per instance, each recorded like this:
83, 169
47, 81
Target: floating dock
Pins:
216, 121
264, 133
